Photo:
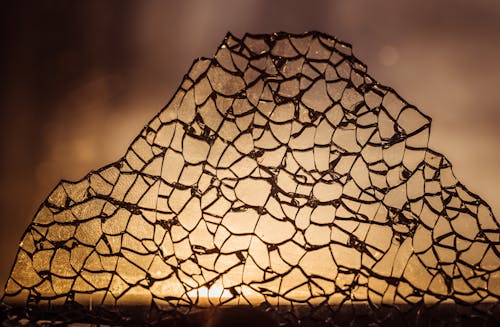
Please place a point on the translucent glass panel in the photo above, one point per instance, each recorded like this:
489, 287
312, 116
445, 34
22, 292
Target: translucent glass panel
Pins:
279, 173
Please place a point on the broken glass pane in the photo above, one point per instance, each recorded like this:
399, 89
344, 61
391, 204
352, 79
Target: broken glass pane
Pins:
280, 176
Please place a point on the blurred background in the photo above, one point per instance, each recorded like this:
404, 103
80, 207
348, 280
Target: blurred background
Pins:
79, 79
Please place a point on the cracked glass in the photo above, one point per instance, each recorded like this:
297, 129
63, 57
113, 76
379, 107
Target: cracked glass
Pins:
280, 176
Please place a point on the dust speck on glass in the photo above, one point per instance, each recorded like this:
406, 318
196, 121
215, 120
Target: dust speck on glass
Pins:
280, 176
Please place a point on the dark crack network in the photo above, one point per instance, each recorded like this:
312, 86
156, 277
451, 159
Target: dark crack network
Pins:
280, 175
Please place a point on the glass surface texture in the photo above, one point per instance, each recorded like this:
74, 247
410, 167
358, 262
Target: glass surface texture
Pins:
280, 175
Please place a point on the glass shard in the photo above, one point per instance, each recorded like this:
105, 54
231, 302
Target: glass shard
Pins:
280, 176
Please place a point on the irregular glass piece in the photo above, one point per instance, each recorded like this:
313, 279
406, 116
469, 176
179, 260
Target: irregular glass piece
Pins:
280, 176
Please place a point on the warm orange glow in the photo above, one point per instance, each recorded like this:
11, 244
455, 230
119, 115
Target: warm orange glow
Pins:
214, 295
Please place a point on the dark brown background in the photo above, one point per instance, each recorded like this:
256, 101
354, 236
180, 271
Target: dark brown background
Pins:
79, 79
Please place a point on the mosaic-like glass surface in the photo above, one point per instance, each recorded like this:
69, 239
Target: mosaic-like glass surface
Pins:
281, 176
